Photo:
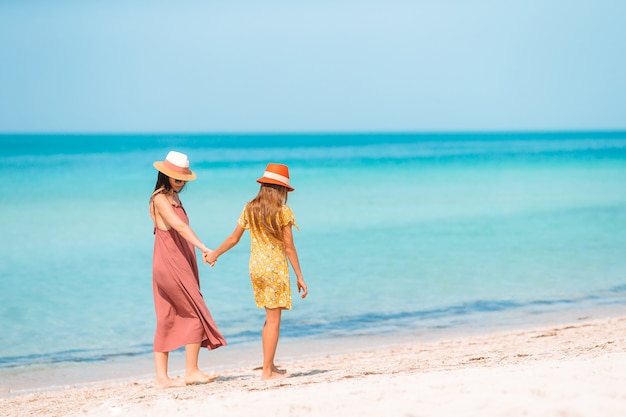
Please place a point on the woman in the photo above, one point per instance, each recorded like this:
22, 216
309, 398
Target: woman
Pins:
182, 316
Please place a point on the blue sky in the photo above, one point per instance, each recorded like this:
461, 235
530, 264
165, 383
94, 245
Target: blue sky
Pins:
311, 66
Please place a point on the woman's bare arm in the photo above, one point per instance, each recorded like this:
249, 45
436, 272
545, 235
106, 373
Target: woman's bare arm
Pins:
171, 220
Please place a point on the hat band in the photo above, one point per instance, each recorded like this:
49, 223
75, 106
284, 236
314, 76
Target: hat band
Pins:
176, 168
277, 177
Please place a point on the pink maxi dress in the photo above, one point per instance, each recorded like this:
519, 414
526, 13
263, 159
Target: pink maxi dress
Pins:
181, 314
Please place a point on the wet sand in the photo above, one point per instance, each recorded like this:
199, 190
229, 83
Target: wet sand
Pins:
572, 369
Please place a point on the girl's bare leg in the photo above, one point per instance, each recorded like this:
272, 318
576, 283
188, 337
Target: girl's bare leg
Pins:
162, 379
193, 374
271, 332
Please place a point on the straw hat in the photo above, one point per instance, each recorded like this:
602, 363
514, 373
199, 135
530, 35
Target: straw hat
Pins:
276, 174
176, 165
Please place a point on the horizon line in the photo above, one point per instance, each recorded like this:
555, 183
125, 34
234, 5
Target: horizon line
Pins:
324, 133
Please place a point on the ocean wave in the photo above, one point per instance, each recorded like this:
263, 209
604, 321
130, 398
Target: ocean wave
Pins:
353, 325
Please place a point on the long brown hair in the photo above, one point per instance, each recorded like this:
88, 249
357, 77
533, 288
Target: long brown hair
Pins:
163, 185
264, 210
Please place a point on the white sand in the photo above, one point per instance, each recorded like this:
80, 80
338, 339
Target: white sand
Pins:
569, 370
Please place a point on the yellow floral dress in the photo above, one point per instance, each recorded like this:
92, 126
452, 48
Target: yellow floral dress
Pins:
269, 270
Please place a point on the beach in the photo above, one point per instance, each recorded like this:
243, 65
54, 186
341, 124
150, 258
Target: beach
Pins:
572, 369
463, 274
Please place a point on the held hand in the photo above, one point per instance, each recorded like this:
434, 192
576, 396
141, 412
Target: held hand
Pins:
302, 288
209, 257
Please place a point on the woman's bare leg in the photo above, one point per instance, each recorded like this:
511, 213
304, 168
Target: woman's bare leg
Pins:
271, 332
162, 379
193, 374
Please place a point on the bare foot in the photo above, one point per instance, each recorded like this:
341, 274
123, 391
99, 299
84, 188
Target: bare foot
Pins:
274, 369
278, 371
199, 377
274, 375
164, 383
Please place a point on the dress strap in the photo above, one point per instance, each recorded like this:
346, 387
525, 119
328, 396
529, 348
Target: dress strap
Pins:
153, 216
153, 209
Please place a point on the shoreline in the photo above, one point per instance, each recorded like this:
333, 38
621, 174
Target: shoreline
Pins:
56, 377
526, 371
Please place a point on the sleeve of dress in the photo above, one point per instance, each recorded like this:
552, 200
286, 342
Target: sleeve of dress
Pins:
243, 220
288, 217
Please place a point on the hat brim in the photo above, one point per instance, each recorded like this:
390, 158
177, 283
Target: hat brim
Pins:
173, 174
264, 180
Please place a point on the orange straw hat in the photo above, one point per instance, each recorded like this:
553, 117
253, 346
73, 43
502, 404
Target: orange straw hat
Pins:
176, 165
276, 174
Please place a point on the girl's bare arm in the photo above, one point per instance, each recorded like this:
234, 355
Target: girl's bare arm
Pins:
227, 244
292, 255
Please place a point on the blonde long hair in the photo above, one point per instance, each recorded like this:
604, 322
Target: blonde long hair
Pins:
264, 210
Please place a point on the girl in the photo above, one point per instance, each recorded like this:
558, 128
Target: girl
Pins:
269, 220
182, 316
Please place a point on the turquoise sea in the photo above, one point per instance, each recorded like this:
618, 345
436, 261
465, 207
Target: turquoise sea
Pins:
400, 234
